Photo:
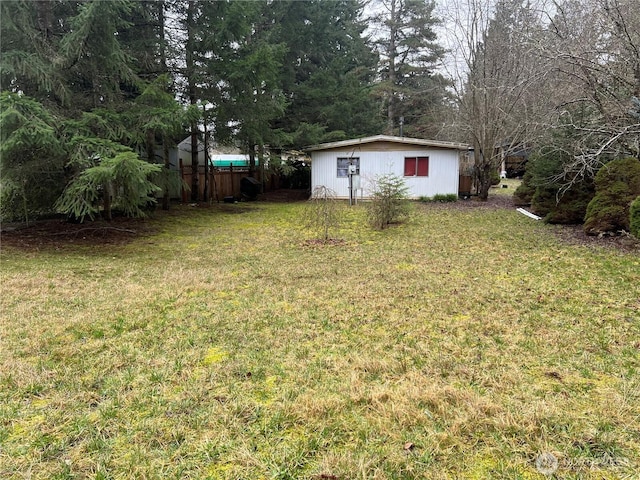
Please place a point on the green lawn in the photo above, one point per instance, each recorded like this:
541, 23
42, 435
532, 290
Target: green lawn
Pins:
511, 185
463, 343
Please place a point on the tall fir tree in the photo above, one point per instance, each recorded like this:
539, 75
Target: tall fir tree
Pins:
409, 52
243, 57
96, 64
327, 71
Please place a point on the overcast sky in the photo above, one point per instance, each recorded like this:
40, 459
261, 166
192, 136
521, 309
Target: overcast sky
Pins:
453, 30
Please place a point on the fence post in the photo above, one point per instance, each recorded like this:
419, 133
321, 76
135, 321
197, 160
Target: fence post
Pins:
183, 191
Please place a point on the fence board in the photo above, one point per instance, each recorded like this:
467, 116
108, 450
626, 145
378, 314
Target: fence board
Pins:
222, 183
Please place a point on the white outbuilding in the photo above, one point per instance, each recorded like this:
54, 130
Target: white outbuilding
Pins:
429, 167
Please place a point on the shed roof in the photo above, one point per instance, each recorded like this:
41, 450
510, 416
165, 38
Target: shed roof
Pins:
387, 138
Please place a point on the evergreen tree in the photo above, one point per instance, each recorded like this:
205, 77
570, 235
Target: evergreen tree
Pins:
77, 59
30, 57
191, 78
327, 71
121, 183
158, 120
31, 158
553, 190
143, 39
409, 53
96, 64
548, 200
243, 58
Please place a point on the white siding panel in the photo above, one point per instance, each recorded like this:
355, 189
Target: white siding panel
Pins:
443, 170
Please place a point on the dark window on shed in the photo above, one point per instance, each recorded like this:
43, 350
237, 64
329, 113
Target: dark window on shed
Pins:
343, 165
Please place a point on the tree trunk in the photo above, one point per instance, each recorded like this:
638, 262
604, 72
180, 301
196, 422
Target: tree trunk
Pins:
195, 184
150, 145
261, 164
107, 202
484, 167
484, 182
195, 194
252, 160
45, 18
391, 107
166, 198
161, 35
206, 193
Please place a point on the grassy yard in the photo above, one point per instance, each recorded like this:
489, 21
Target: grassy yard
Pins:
465, 343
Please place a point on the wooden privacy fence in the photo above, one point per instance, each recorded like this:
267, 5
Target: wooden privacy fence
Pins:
221, 183
465, 185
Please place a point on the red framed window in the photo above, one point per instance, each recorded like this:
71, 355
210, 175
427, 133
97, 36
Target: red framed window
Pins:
416, 166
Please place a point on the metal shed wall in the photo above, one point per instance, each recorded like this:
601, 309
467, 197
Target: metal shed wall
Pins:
386, 158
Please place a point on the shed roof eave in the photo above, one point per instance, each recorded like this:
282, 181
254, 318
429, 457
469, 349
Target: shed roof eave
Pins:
387, 138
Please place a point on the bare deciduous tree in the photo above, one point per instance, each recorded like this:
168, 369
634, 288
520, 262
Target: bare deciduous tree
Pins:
595, 47
499, 79
324, 213
529, 67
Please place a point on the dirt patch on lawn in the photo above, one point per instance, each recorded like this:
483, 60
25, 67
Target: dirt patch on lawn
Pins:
494, 202
285, 195
574, 235
57, 233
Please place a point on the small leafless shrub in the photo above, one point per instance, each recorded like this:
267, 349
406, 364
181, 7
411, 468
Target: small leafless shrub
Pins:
323, 213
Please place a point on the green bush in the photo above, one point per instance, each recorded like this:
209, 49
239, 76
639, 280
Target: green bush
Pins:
617, 185
445, 197
293, 173
525, 191
634, 217
541, 186
389, 200
439, 197
30, 199
567, 208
